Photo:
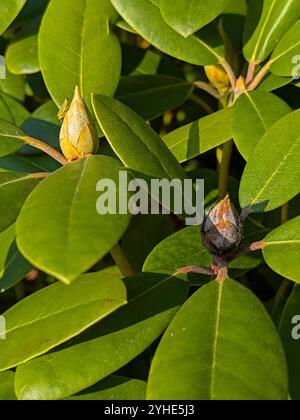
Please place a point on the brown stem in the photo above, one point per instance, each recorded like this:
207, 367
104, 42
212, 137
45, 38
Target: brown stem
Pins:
255, 246
45, 148
259, 77
207, 88
207, 271
121, 261
250, 73
226, 66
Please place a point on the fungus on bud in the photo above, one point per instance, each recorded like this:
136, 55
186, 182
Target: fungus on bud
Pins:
222, 229
78, 134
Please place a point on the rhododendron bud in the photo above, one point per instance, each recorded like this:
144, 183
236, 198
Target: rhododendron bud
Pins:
78, 134
218, 77
222, 229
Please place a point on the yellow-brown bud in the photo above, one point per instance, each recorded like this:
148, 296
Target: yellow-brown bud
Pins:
78, 134
218, 77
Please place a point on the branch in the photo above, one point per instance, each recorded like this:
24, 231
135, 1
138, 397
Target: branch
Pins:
259, 77
255, 246
226, 66
207, 88
207, 271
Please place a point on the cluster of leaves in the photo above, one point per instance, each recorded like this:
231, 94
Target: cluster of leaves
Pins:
168, 83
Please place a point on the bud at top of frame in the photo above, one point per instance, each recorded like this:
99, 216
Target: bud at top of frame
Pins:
218, 77
222, 229
78, 134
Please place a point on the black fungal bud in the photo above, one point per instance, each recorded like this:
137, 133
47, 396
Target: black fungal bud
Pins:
222, 229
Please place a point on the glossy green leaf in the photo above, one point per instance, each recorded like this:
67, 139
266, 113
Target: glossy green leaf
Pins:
64, 208
5, 113
276, 18
134, 142
188, 16
22, 56
7, 392
151, 96
273, 82
289, 333
14, 190
145, 17
9, 11
78, 47
268, 183
57, 313
17, 111
13, 267
285, 57
114, 388
198, 137
28, 164
153, 301
185, 248
252, 115
282, 250
221, 345
10, 138
14, 86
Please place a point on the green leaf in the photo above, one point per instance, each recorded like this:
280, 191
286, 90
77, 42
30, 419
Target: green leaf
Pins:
200, 136
5, 113
13, 267
114, 342
188, 16
273, 82
77, 47
57, 313
22, 56
185, 248
9, 11
282, 250
276, 18
7, 392
14, 190
269, 183
221, 345
28, 164
114, 388
74, 235
14, 86
285, 57
134, 142
152, 95
146, 19
289, 333
17, 112
10, 138
252, 115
